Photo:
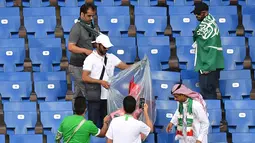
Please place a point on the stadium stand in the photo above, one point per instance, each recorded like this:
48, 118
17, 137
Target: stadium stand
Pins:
26, 138
69, 16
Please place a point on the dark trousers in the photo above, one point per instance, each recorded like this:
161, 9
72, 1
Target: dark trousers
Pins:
97, 111
208, 84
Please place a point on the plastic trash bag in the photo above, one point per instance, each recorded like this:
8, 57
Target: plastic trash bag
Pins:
134, 81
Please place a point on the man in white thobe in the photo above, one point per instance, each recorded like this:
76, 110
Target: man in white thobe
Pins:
190, 117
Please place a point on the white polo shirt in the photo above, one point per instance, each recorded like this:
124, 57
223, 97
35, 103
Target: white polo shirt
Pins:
94, 63
127, 131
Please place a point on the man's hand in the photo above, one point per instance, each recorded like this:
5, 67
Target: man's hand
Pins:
87, 52
107, 119
145, 108
198, 141
169, 127
105, 84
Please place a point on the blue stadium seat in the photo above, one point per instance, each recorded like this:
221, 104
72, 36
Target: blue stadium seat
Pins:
20, 117
165, 111
249, 24
243, 137
15, 89
94, 139
190, 78
246, 2
235, 84
252, 50
36, 3
223, 10
50, 86
227, 24
12, 54
183, 25
104, 2
114, 21
2, 138
246, 10
150, 21
69, 16
52, 114
124, 48
10, 22
15, 76
217, 2
185, 52
150, 139
234, 52
179, 2
217, 138
157, 49
26, 138
71, 3
162, 83
40, 22
240, 116
180, 10
214, 115
45, 54
164, 137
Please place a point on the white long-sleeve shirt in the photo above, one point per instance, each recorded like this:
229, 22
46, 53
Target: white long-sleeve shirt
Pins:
200, 122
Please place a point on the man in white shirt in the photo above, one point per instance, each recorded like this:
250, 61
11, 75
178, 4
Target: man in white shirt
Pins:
190, 117
92, 69
126, 129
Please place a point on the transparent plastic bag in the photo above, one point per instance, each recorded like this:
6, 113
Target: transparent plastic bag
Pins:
134, 81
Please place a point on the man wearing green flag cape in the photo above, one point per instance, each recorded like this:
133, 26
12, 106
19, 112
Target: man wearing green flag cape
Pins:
209, 57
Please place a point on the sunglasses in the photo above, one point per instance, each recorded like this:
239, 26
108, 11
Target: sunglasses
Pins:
178, 87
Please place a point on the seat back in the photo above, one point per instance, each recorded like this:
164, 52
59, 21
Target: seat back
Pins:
214, 115
190, 79
249, 24
217, 138
243, 137
26, 138
36, 3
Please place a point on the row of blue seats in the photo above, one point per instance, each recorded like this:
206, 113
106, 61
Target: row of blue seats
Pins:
51, 86
72, 3
115, 21
21, 117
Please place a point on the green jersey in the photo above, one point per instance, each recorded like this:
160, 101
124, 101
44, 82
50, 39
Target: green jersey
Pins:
68, 126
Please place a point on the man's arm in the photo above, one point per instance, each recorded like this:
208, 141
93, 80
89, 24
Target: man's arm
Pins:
147, 118
123, 66
109, 141
105, 127
75, 49
88, 79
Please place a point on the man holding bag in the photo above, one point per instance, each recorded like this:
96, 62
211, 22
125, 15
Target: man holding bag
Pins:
98, 67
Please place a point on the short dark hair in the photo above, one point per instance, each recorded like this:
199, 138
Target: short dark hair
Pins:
84, 8
129, 104
79, 105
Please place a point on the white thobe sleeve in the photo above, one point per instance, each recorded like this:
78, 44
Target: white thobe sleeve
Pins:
174, 120
202, 117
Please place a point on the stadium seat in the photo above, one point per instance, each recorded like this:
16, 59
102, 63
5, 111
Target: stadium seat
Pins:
179, 2
36, 3
20, 117
69, 16
165, 111
190, 78
114, 21
234, 52
243, 137
157, 49
124, 48
150, 21
217, 2
26, 138
217, 138
94, 139
214, 114
252, 50
71, 3
2, 138
150, 139
162, 83
45, 54
144, 2
250, 9
183, 25
15, 89
235, 84
227, 24
246, 2
40, 22
249, 24
10, 22
50, 86
12, 54
52, 114
180, 10
164, 137
185, 52
240, 116
223, 10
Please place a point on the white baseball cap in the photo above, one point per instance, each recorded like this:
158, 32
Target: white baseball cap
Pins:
104, 40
